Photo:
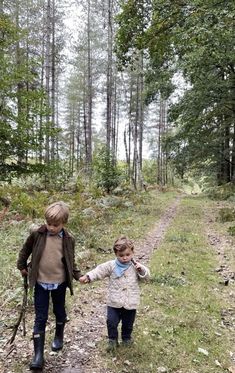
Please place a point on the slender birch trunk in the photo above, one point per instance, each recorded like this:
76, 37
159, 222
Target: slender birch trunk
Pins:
47, 72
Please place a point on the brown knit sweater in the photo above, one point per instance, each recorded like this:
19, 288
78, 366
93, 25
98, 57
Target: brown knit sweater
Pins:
51, 268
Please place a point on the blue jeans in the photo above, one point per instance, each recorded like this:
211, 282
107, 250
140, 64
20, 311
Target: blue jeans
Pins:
114, 316
41, 305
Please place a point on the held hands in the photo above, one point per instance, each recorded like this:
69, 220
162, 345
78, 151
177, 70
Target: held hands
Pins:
24, 272
84, 279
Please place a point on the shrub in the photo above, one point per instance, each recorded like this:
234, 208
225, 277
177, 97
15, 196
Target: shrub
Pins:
226, 214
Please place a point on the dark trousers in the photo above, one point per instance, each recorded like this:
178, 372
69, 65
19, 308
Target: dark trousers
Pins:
41, 304
114, 316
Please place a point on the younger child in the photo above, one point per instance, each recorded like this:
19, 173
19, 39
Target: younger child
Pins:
51, 271
123, 291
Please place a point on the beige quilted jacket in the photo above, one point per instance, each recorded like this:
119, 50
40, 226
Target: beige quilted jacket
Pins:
122, 291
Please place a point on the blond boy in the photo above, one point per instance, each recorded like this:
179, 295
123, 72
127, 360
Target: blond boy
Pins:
51, 271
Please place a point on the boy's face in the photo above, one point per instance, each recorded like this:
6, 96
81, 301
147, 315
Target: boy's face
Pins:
125, 256
54, 228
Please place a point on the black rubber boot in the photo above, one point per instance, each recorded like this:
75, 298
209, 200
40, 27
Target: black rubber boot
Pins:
38, 359
112, 345
58, 342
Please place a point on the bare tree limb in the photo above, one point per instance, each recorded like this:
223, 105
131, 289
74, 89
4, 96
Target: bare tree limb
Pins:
22, 313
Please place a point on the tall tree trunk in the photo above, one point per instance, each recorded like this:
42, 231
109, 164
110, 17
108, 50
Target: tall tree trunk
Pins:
53, 81
89, 81
20, 115
84, 103
40, 131
27, 82
223, 174
72, 141
109, 82
159, 171
48, 71
226, 176
233, 123
141, 117
165, 150
135, 175
114, 128
129, 127
78, 130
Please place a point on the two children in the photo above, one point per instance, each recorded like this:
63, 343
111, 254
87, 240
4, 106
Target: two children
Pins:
124, 274
51, 271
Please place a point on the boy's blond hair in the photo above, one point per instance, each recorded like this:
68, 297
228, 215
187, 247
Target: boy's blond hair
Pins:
123, 243
57, 212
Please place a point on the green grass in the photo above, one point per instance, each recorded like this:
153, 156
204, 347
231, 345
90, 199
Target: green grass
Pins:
91, 233
181, 305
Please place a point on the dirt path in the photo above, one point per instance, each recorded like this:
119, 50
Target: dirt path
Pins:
223, 246
88, 317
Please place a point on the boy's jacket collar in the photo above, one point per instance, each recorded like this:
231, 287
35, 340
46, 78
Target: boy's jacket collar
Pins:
43, 229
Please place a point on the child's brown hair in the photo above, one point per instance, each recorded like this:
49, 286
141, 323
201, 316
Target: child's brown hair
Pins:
57, 212
123, 243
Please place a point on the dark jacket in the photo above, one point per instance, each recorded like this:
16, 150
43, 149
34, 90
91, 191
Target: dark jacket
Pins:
35, 245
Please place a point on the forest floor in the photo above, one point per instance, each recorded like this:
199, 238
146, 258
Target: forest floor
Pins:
85, 333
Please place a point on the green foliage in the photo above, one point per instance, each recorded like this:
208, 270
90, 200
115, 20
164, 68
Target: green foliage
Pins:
25, 203
23, 103
149, 171
29, 205
132, 21
226, 214
194, 39
56, 175
106, 172
231, 230
222, 192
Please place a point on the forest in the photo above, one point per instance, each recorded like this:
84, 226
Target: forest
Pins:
124, 110
80, 93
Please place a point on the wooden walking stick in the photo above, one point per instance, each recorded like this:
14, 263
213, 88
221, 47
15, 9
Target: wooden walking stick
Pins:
22, 312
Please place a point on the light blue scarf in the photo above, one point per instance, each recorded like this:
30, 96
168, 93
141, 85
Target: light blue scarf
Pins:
120, 268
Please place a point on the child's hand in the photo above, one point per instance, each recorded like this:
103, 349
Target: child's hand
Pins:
24, 272
84, 279
137, 266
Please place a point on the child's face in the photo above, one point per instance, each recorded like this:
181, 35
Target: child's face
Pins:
125, 256
54, 228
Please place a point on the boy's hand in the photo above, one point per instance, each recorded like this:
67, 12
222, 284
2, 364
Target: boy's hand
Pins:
24, 272
84, 279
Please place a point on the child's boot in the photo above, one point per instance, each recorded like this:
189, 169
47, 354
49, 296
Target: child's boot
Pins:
112, 345
127, 342
38, 359
58, 341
